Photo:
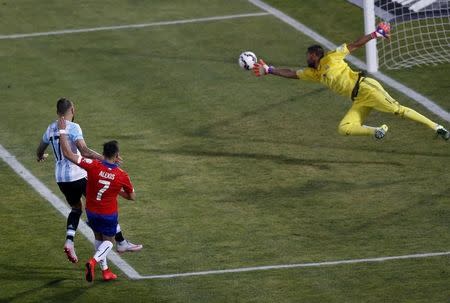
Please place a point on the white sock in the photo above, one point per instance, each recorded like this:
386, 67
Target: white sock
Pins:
70, 232
102, 263
370, 127
103, 250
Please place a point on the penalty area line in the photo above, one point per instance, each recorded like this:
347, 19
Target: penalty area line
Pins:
300, 265
129, 26
57, 203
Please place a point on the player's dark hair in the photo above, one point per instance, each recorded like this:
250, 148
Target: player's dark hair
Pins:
63, 105
110, 149
317, 50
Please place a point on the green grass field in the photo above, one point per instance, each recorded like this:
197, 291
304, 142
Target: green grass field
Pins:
230, 170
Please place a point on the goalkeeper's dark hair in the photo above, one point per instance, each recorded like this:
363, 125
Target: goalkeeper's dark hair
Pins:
110, 149
317, 50
63, 105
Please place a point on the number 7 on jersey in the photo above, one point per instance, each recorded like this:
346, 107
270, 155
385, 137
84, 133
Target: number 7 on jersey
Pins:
103, 189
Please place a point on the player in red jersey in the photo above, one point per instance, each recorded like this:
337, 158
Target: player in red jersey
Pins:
105, 182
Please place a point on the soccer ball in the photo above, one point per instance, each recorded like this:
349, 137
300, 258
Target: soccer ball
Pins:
247, 60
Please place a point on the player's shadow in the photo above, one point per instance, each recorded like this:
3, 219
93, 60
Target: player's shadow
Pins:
205, 131
320, 164
50, 279
57, 295
313, 188
394, 151
325, 145
30, 292
29, 272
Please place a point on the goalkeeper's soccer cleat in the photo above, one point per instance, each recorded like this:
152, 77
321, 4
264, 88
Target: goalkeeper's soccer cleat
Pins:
442, 132
381, 131
90, 269
108, 275
69, 249
126, 245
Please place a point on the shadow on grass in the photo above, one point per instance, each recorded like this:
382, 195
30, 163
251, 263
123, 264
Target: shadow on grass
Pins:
56, 284
354, 148
32, 291
321, 164
30, 272
54, 287
312, 188
324, 145
205, 131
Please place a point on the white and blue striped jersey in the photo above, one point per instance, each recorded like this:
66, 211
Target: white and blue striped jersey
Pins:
65, 171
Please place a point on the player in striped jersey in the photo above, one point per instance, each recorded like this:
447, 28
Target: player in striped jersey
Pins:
70, 178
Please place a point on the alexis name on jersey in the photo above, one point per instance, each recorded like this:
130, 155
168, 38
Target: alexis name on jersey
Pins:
106, 175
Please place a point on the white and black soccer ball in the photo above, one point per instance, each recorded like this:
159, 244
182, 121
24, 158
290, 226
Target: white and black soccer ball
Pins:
247, 59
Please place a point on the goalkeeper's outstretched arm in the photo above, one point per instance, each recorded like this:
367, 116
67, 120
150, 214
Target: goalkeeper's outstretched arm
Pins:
383, 31
261, 68
359, 43
284, 72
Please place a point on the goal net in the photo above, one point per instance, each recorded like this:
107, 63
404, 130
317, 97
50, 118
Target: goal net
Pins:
420, 32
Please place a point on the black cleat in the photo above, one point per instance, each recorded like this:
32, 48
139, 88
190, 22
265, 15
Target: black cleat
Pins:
442, 132
381, 131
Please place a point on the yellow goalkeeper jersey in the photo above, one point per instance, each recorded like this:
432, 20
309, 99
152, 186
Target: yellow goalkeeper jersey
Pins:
333, 72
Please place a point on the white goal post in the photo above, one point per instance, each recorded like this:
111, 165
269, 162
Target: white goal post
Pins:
369, 27
420, 32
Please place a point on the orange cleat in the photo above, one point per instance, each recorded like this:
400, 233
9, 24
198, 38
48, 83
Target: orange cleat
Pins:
108, 275
90, 269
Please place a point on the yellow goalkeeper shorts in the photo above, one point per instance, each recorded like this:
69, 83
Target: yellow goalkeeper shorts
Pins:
371, 95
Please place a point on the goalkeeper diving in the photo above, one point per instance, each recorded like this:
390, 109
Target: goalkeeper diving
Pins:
366, 93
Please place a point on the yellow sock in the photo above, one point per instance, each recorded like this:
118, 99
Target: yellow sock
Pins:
415, 116
353, 129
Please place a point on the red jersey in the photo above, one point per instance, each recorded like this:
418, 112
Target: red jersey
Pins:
105, 181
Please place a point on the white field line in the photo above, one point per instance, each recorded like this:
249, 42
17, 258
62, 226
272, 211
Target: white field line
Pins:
56, 202
427, 103
129, 26
115, 258
286, 266
48, 195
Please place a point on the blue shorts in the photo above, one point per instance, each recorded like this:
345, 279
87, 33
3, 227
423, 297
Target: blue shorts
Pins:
103, 224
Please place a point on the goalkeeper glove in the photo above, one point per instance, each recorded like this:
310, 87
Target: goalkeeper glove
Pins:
383, 30
261, 68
